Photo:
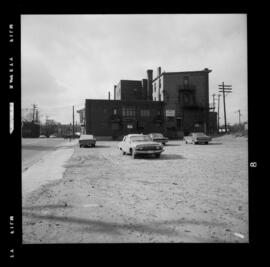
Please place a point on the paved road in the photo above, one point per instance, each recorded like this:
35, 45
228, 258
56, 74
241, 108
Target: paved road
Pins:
34, 149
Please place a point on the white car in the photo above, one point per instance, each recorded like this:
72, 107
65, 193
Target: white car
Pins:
139, 144
197, 138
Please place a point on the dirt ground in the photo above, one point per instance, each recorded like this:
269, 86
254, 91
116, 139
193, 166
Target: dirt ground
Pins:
192, 193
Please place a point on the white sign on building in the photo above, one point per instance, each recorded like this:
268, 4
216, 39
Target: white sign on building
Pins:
170, 113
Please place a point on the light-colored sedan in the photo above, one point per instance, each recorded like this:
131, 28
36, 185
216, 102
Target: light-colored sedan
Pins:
197, 138
87, 140
139, 144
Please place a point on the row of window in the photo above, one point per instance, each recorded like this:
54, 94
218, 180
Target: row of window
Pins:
131, 112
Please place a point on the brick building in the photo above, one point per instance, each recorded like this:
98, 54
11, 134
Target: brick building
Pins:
174, 103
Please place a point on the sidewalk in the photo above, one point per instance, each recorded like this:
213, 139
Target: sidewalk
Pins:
50, 167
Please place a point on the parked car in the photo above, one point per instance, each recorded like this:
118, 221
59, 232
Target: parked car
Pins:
87, 140
52, 136
139, 144
159, 137
197, 138
42, 136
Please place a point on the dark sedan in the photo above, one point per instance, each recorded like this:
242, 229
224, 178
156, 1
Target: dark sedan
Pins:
87, 140
158, 137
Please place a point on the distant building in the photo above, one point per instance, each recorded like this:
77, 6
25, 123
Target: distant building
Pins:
30, 129
173, 103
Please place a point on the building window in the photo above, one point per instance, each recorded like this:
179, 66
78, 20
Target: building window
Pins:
145, 112
128, 112
186, 81
115, 111
179, 123
186, 99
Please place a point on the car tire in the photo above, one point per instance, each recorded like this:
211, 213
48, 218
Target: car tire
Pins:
206, 143
157, 156
133, 154
93, 145
164, 144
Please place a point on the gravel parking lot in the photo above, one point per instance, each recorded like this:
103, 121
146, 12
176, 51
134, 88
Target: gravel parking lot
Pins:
192, 193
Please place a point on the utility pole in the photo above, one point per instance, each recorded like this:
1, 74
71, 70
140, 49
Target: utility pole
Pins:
218, 112
37, 116
72, 121
225, 89
239, 112
34, 111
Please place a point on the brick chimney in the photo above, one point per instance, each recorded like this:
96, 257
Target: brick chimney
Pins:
114, 92
149, 84
158, 71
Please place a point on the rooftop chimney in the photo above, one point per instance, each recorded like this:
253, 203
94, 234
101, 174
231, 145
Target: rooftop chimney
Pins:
114, 92
109, 94
158, 71
149, 84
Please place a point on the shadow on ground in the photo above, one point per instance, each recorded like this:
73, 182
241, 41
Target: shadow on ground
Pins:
165, 227
31, 147
212, 144
172, 145
97, 146
162, 157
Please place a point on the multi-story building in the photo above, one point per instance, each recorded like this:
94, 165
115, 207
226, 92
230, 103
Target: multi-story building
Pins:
186, 100
174, 103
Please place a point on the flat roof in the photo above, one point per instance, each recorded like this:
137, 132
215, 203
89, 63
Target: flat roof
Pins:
180, 72
137, 101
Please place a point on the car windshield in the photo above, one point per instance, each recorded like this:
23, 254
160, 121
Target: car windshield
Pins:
199, 134
157, 135
87, 136
140, 138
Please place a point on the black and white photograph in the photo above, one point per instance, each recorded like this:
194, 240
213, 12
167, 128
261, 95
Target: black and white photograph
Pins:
134, 128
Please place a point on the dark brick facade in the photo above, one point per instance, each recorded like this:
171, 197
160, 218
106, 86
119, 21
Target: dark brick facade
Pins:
131, 90
117, 118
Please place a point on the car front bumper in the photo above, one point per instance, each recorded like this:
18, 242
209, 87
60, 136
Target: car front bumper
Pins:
87, 143
149, 151
161, 140
202, 141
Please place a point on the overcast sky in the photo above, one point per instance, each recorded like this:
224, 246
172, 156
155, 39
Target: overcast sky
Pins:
68, 58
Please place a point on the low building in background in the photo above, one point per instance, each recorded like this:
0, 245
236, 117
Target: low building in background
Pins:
30, 129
